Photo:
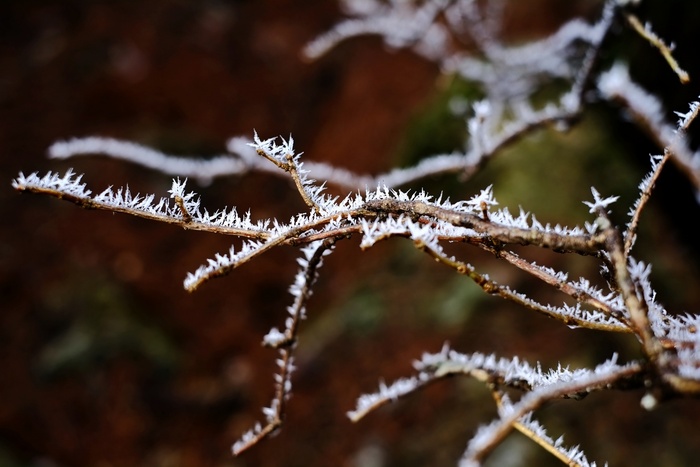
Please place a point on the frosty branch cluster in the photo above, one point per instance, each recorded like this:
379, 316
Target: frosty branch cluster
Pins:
463, 38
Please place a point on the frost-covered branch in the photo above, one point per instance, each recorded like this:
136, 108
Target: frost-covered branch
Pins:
508, 75
657, 164
488, 436
571, 456
285, 342
616, 84
463, 37
666, 50
185, 211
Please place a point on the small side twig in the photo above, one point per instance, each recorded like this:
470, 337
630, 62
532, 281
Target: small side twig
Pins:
631, 233
579, 295
493, 288
286, 343
186, 217
665, 49
543, 442
291, 166
481, 445
637, 309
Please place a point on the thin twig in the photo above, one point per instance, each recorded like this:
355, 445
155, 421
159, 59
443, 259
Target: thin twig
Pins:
535, 399
578, 294
293, 170
186, 221
665, 50
637, 309
286, 346
631, 233
186, 217
543, 443
493, 288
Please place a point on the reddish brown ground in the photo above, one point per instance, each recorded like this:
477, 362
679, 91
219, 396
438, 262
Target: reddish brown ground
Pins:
106, 361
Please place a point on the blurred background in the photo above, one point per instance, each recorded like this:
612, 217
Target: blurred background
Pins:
107, 361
